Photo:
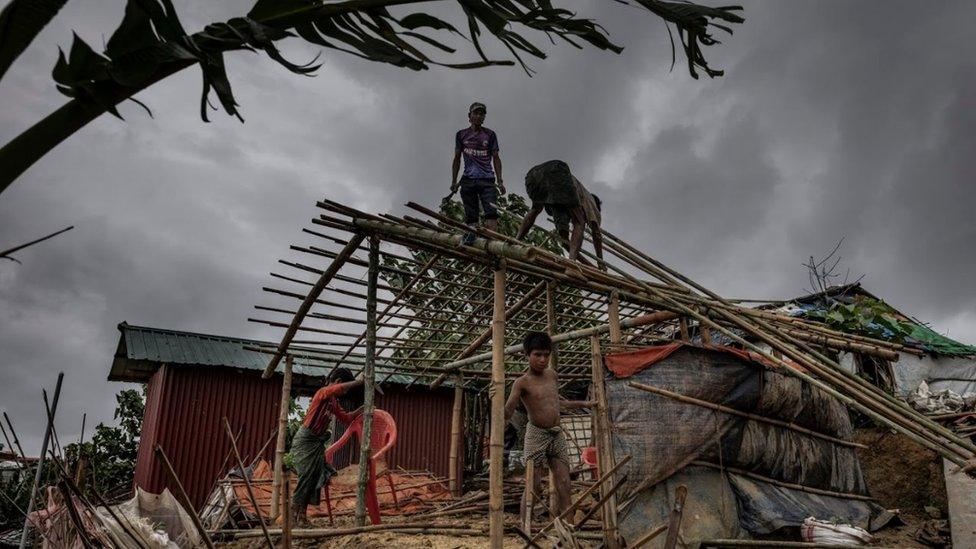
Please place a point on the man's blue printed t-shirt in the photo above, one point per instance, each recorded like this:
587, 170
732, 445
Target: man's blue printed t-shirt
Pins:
476, 146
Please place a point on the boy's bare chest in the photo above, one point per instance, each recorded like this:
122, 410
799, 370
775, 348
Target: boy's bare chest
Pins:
541, 390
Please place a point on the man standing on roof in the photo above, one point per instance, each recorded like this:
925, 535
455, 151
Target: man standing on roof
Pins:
308, 445
482, 170
551, 186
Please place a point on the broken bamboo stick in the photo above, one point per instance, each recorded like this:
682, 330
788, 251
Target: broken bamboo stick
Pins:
40, 460
247, 483
728, 410
784, 484
674, 521
182, 497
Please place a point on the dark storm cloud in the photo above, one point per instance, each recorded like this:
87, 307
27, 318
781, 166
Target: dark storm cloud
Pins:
834, 119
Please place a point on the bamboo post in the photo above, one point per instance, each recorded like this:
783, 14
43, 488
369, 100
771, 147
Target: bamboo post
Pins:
674, 521
496, 519
282, 431
613, 315
455, 479
601, 425
313, 294
40, 459
286, 522
528, 503
182, 497
683, 328
551, 320
369, 378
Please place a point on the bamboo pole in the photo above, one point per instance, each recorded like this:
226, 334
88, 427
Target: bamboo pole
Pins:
247, 483
496, 519
643, 320
282, 431
454, 461
182, 497
755, 417
683, 329
674, 521
784, 484
286, 522
40, 460
613, 314
313, 294
552, 323
582, 497
604, 446
528, 503
369, 385
483, 337
874, 403
648, 537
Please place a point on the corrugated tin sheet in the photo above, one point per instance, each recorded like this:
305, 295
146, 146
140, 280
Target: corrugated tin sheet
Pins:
185, 408
423, 419
140, 345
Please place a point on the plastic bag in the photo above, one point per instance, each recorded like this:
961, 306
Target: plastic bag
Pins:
819, 531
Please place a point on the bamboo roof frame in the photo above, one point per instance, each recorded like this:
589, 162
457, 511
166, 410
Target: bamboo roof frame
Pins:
437, 305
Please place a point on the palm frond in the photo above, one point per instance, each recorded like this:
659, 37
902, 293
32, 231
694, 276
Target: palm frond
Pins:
20, 22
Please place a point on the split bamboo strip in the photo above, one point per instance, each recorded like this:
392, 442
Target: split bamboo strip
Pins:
755, 417
496, 519
286, 523
369, 385
283, 409
316, 533
313, 294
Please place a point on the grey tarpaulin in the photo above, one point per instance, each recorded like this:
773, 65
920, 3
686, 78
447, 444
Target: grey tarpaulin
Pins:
664, 436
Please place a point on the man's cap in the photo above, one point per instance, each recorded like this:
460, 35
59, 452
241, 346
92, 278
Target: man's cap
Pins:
475, 106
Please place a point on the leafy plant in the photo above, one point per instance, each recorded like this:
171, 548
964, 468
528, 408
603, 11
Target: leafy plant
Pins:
111, 452
151, 44
864, 316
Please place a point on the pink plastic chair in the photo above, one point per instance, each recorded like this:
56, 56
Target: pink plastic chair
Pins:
589, 458
384, 435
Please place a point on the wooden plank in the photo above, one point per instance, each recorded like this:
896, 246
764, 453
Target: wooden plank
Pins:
613, 315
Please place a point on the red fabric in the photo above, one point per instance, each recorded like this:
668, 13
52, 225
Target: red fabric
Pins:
627, 364
324, 405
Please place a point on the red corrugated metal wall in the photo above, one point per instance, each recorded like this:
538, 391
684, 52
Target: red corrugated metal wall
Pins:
423, 419
185, 407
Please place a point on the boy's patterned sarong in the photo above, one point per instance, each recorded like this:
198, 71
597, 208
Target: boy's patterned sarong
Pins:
314, 472
543, 445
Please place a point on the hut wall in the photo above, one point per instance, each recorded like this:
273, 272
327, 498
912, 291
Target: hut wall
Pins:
185, 407
423, 419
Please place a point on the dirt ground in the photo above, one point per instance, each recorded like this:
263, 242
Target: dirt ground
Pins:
902, 475
377, 540
899, 473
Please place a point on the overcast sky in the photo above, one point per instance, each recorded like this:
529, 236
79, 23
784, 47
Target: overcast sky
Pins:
834, 119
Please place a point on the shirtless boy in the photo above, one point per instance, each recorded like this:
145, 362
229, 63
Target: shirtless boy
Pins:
545, 444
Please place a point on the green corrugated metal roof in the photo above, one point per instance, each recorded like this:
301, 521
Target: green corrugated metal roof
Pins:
188, 348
